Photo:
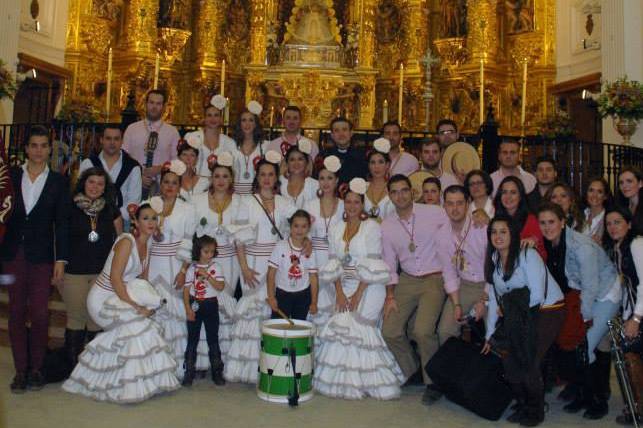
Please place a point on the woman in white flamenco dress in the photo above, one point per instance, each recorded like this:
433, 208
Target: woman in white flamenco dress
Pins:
214, 212
174, 236
353, 360
326, 210
256, 233
130, 361
378, 205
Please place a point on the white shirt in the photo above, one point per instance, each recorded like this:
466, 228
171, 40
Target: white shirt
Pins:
596, 226
31, 191
308, 192
226, 144
528, 180
201, 288
489, 209
132, 186
293, 267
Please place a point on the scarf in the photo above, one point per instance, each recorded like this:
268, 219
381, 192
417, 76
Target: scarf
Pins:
89, 206
556, 261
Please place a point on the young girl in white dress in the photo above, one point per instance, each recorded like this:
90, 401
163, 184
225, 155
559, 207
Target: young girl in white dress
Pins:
296, 183
326, 211
250, 148
262, 222
209, 139
214, 212
353, 361
191, 183
129, 362
167, 272
377, 203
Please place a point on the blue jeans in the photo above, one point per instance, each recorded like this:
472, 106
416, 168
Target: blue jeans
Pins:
602, 312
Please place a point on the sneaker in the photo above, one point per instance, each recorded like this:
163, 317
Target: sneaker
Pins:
19, 384
431, 395
36, 381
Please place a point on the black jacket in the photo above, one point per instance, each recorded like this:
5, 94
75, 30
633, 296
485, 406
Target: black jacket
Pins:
353, 163
45, 226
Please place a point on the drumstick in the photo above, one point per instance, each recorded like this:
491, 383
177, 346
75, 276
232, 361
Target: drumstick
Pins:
284, 316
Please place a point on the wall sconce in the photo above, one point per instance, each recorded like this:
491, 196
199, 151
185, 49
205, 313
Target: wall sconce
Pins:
34, 9
589, 95
29, 74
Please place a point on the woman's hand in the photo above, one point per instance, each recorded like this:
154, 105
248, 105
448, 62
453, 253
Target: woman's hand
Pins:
480, 218
58, 273
353, 301
486, 348
250, 277
313, 308
144, 311
631, 328
528, 243
341, 302
480, 309
390, 306
190, 314
272, 302
457, 313
179, 280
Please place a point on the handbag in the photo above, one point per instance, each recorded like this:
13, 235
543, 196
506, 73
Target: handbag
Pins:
573, 331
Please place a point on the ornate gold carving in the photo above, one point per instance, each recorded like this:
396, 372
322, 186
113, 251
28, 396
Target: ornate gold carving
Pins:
170, 44
453, 52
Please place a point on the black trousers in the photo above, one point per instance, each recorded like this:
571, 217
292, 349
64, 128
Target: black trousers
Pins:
208, 315
295, 305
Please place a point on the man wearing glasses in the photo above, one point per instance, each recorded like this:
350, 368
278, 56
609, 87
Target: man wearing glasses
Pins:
447, 131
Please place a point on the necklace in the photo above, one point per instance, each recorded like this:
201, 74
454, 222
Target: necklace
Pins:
347, 238
328, 218
93, 235
220, 208
458, 258
412, 247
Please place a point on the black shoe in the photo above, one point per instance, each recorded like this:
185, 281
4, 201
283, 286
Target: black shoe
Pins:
531, 421
519, 412
431, 395
577, 405
190, 369
19, 384
414, 380
569, 393
36, 381
188, 378
217, 377
626, 419
596, 409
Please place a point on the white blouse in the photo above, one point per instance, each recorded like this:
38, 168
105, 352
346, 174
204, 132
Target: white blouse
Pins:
308, 193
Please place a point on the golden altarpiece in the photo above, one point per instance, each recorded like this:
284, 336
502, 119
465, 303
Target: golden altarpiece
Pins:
328, 57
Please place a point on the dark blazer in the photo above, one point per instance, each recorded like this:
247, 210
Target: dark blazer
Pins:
353, 163
45, 226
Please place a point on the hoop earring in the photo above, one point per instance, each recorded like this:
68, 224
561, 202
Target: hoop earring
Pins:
320, 193
344, 216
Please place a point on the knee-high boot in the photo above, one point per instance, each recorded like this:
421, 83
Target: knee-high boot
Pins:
216, 365
600, 386
520, 407
190, 368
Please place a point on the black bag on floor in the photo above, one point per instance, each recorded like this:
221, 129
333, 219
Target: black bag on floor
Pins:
469, 379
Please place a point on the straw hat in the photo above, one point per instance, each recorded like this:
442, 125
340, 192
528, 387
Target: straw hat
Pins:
417, 178
460, 158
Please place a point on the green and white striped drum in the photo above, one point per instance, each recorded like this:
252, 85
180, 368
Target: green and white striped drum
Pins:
281, 343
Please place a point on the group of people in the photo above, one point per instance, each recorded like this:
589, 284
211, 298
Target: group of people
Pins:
336, 236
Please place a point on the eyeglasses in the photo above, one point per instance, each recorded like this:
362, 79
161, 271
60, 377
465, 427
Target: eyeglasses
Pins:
447, 132
476, 183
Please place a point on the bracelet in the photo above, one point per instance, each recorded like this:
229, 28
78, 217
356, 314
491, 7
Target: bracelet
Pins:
636, 319
183, 271
390, 298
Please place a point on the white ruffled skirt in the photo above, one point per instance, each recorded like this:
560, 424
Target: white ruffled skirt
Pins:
352, 358
129, 362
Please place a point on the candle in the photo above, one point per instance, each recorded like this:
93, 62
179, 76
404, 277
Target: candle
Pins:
400, 95
156, 70
223, 78
272, 115
481, 91
524, 96
226, 115
108, 94
385, 112
283, 112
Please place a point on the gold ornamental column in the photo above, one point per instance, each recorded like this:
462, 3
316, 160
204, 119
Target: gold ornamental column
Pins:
257, 65
482, 24
366, 20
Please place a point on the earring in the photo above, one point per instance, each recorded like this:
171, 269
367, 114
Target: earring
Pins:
134, 231
320, 193
344, 216
363, 216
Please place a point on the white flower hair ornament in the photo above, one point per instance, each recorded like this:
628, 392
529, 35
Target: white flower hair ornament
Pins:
156, 203
218, 101
194, 141
332, 164
382, 145
225, 159
358, 185
273, 156
255, 108
304, 146
176, 166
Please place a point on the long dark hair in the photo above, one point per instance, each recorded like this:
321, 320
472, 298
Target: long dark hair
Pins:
255, 182
520, 217
257, 133
490, 266
109, 194
575, 212
609, 197
199, 242
637, 215
607, 241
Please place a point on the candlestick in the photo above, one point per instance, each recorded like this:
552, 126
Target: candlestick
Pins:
226, 115
524, 96
108, 94
400, 95
272, 115
157, 66
223, 78
385, 112
481, 91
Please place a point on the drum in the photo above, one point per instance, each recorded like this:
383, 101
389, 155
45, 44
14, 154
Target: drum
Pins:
286, 361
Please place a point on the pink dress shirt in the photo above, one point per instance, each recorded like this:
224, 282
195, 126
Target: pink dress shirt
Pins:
527, 179
473, 250
396, 239
136, 136
405, 164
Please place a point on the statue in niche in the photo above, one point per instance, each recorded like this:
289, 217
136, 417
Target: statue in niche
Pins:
520, 14
272, 45
171, 14
238, 20
454, 18
108, 9
388, 21
313, 26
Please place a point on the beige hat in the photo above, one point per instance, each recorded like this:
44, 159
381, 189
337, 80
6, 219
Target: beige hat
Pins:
417, 178
460, 158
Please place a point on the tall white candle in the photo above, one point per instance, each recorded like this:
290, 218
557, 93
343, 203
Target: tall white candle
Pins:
385, 112
272, 115
227, 112
108, 94
400, 95
223, 78
157, 66
481, 91
524, 96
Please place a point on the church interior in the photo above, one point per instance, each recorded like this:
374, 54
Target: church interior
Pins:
530, 70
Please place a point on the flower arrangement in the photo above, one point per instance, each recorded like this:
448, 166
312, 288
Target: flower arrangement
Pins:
77, 112
622, 98
557, 125
7, 82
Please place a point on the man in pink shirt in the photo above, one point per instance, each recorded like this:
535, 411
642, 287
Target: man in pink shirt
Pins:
151, 131
401, 162
409, 241
292, 134
462, 250
431, 154
509, 159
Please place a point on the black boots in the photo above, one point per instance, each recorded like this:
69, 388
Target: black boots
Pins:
74, 345
19, 384
216, 365
190, 369
599, 393
520, 407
